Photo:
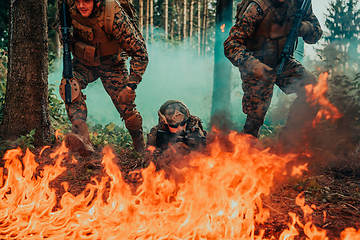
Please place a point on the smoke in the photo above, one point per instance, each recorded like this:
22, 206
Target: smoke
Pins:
173, 72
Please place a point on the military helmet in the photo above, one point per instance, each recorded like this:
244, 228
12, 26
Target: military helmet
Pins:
173, 113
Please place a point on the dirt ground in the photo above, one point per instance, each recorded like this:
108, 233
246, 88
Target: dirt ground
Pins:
332, 186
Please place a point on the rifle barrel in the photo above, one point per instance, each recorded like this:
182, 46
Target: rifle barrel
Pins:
67, 67
289, 46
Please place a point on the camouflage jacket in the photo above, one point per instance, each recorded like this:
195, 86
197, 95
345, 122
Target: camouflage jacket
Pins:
236, 46
124, 32
193, 135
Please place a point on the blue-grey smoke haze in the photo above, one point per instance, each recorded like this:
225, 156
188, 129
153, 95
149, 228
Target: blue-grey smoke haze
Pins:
172, 73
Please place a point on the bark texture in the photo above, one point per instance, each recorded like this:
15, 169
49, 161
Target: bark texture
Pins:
26, 99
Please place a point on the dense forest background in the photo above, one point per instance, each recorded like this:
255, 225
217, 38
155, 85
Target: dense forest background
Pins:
181, 40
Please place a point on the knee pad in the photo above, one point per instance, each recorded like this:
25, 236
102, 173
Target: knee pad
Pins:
75, 89
134, 122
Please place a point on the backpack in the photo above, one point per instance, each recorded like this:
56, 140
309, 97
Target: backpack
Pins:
242, 6
110, 12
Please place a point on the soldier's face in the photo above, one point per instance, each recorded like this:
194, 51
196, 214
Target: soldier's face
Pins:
85, 7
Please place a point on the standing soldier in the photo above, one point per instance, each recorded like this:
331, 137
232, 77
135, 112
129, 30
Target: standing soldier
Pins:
254, 46
97, 46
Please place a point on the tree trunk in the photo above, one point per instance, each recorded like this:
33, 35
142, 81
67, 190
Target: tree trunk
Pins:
166, 18
178, 20
185, 20
204, 23
26, 98
141, 15
191, 21
147, 20
152, 19
220, 112
199, 27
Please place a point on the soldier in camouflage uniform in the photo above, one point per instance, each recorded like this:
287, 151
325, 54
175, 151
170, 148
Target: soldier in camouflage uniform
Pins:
176, 125
254, 45
98, 53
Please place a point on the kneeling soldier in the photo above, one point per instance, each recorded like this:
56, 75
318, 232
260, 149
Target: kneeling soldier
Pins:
175, 126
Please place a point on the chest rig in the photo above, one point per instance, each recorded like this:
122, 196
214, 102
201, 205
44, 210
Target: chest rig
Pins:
90, 44
269, 38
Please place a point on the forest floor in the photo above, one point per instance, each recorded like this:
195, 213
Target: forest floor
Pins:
333, 187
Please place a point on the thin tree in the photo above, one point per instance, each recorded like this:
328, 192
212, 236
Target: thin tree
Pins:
147, 20
166, 18
152, 19
220, 111
177, 5
191, 21
141, 15
199, 26
185, 20
26, 99
204, 26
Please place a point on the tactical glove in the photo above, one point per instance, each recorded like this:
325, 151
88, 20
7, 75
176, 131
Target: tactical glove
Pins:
126, 95
305, 28
260, 71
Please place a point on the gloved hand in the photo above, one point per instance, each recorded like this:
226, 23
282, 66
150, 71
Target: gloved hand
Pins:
260, 71
126, 95
304, 28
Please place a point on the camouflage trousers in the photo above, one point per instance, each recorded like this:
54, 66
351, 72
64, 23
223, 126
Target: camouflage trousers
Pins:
114, 80
258, 94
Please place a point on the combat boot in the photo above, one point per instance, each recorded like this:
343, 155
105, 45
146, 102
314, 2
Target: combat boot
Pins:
79, 140
252, 127
138, 140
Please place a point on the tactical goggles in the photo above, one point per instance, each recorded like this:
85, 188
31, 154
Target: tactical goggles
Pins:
176, 128
177, 125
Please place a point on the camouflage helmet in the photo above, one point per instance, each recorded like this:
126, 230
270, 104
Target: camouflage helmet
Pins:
173, 113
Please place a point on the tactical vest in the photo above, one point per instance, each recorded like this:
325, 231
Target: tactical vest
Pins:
90, 43
269, 38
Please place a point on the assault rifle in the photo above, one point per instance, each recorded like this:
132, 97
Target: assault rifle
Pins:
67, 67
191, 138
293, 35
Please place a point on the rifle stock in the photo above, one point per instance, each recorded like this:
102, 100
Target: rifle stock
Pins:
293, 35
67, 66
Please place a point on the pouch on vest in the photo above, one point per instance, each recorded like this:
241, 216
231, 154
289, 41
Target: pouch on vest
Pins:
83, 32
87, 54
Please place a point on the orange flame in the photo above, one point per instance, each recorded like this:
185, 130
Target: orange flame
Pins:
222, 27
316, 94
57, 134
219, 198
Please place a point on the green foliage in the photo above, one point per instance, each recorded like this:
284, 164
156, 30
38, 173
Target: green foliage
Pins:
343, 20
110, 134
4, 23
345, 94
58, 116
100, 135
339, 56
340, 51
312, 186
23, 142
